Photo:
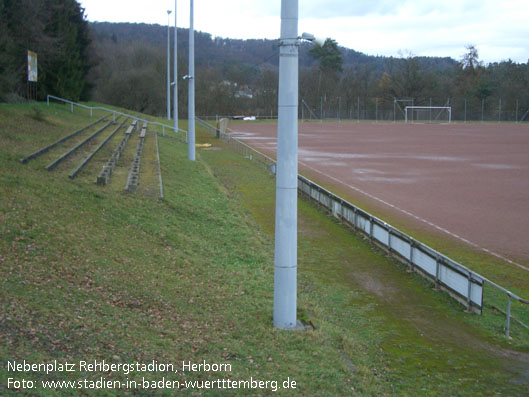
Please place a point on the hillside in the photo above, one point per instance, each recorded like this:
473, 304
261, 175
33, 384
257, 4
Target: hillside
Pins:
241, 77
124, 64
218, 51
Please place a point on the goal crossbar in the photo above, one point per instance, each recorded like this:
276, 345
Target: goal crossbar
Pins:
439, 108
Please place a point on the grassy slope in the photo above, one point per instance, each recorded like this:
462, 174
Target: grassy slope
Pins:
97, 273
89, 272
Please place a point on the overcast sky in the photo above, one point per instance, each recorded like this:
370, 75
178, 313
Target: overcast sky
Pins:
498, 28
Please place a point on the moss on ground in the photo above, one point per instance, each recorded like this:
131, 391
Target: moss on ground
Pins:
424, 340
95, 273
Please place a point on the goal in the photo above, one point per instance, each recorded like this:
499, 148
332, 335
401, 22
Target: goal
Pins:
428, 114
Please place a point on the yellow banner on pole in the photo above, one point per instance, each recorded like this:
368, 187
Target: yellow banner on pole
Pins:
32, 66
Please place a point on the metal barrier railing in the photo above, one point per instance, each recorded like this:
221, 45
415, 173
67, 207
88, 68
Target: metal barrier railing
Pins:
116, 113
463, 284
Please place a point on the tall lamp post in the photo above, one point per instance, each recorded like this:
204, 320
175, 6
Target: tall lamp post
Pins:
285, 256
286, 221
175, 72
168, 69
191, 95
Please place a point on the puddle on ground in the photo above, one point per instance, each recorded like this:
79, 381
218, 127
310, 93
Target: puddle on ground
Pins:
496, 166
387, 179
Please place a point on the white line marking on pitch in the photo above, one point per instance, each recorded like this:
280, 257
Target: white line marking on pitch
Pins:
418, 218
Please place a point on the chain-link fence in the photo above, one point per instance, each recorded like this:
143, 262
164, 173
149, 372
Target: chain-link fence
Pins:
382, 109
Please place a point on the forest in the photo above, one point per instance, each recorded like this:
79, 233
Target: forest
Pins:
57, 31
125, 64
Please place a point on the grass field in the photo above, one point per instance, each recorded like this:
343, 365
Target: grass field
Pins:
92, 273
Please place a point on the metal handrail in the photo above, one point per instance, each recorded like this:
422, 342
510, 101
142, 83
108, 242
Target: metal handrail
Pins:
115, 112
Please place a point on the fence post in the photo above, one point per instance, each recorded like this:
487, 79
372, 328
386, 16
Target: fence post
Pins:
508, 316
430, 110
499, 110
48, 102
71, 107
437, 268
410, 263
469, 292
389, 240
90, 112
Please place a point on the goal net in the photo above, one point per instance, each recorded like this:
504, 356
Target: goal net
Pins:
428, 114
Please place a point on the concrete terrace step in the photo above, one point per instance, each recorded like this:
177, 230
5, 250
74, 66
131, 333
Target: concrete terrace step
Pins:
109, 167
133, 179
74, 173
68, 153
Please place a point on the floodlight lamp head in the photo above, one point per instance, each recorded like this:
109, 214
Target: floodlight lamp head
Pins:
169, 11
307, 36
310, 37
320, 41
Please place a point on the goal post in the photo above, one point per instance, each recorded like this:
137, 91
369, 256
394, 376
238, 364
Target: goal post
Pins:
396, 105
428, 114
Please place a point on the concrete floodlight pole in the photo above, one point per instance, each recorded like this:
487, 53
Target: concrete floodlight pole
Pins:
168, 69
175, 72
191, 95
285, 260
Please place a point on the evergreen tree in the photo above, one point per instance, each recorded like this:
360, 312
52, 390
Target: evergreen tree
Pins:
472, 76
57, 31
329, 56
7, 76
330, 65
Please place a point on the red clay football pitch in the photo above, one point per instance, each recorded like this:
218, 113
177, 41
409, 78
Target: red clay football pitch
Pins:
468, 181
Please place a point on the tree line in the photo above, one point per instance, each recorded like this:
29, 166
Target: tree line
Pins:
125, 64
236, 77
